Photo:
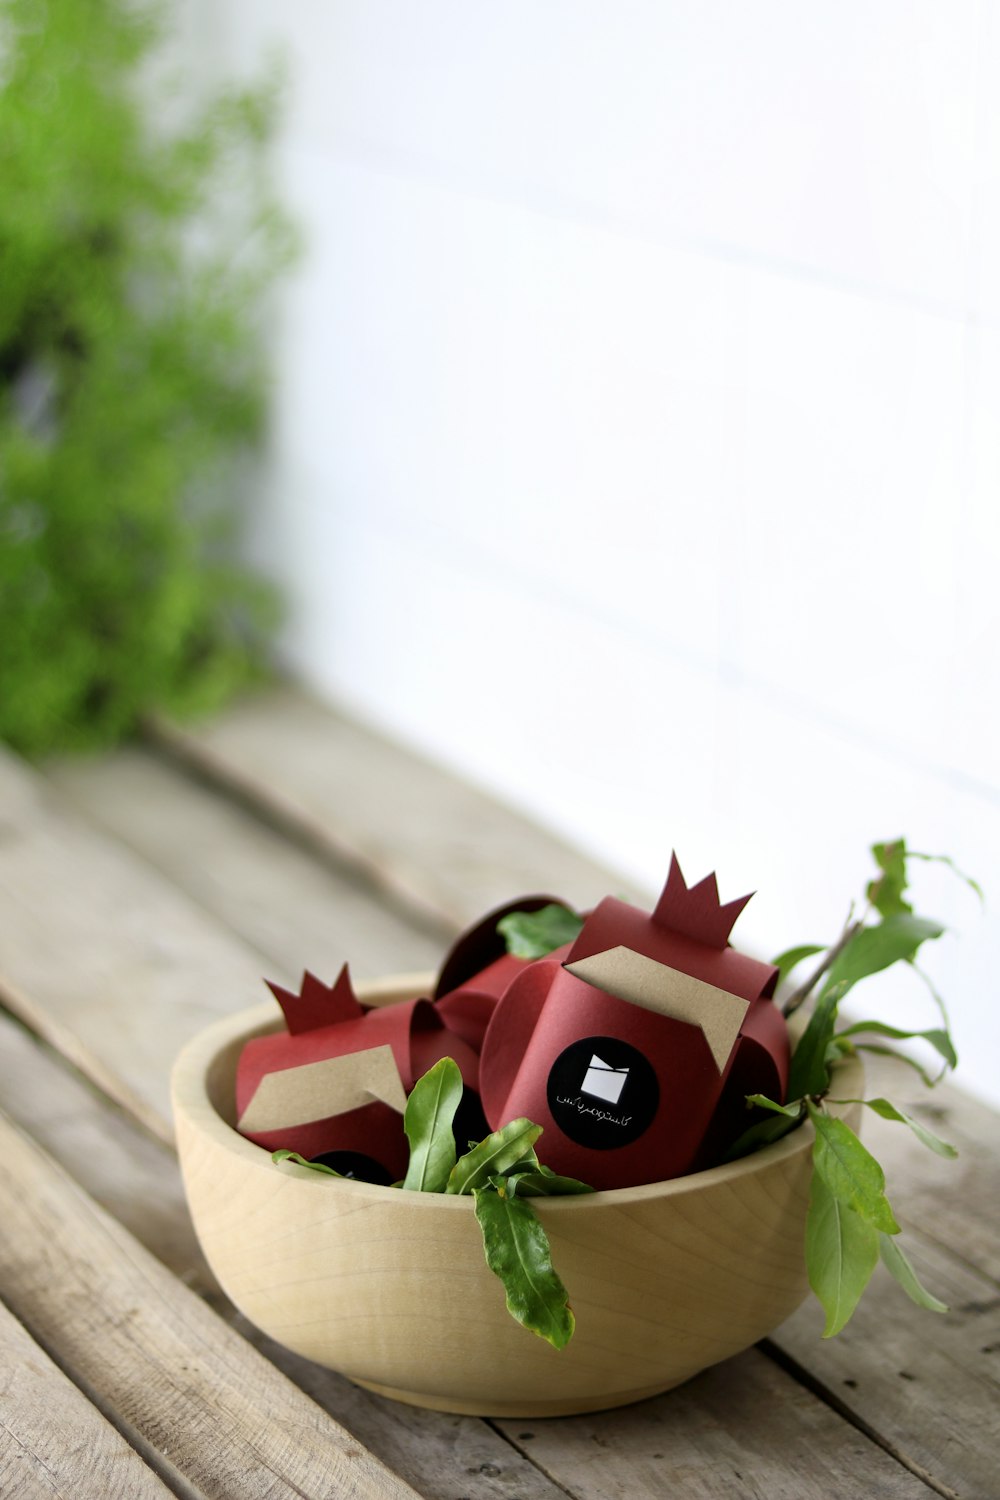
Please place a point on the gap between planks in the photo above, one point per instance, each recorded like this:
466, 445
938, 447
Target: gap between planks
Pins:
47, 1422
850, 1414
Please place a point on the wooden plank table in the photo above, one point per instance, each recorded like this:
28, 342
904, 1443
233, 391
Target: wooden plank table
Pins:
145, 894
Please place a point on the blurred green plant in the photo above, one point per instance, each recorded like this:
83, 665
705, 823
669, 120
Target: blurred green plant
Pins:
133, 261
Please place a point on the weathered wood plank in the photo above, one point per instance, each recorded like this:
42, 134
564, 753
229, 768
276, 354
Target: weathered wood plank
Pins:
738, 1429
929, 1384
171, 1375
136, 1178
103, 956
416, 831
285, 904
53, 1442
131, 1174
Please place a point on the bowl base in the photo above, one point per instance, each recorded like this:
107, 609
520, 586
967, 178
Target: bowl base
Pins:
570, 1407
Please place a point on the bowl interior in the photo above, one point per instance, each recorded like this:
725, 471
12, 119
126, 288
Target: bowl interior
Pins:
220, 1073
205, 1076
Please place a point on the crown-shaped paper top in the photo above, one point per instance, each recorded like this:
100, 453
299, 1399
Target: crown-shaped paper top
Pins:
696, 912
317, 1004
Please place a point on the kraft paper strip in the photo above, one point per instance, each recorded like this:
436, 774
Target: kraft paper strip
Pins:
655, 986
319, 1090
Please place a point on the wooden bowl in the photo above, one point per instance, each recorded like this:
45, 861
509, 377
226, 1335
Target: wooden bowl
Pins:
391, 1288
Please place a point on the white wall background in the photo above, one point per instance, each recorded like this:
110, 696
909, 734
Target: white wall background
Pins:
637, 437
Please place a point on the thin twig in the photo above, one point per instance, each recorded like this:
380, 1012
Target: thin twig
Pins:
830, 957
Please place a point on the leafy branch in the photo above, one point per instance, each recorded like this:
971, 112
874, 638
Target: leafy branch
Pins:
850, 1222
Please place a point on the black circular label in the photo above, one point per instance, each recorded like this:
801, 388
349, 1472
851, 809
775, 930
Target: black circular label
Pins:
602, 1093
355, 1164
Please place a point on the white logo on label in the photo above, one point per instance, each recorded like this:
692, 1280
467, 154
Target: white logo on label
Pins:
603, 1081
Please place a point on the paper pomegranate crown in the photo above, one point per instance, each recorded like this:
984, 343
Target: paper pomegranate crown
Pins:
317, 1004
696, 911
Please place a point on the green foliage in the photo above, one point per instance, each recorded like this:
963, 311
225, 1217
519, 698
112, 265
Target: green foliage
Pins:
898, 936
133, 259
850, 1171
498, 1153
885, 892
761, 1101
850, 1222
792, 957
517, 1251
430, 1114
501, 1173
300, 1161
534, 934
810, 1070
765, 1132
841, 1251
543, 1183
938, 1038
890, 1112
898, 1265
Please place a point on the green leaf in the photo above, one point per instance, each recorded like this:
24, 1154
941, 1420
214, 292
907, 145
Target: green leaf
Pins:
125, 248
886, 892
872, 949
543, 1183
850, 1171
517, 1250
430, 1112
300, 1161
533, 934
936, 996
763, 1102
792, 957
810, 1072
890, 1112
498, 1153
945, 859
898, 1263
899, 1057
841, 1251
938, 1038
764, 1133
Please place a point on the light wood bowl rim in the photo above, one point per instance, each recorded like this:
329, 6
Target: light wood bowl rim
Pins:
189, 1082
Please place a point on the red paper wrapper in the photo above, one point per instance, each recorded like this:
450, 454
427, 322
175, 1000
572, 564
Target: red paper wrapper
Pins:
336, 1081
477, 970
624, 1052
